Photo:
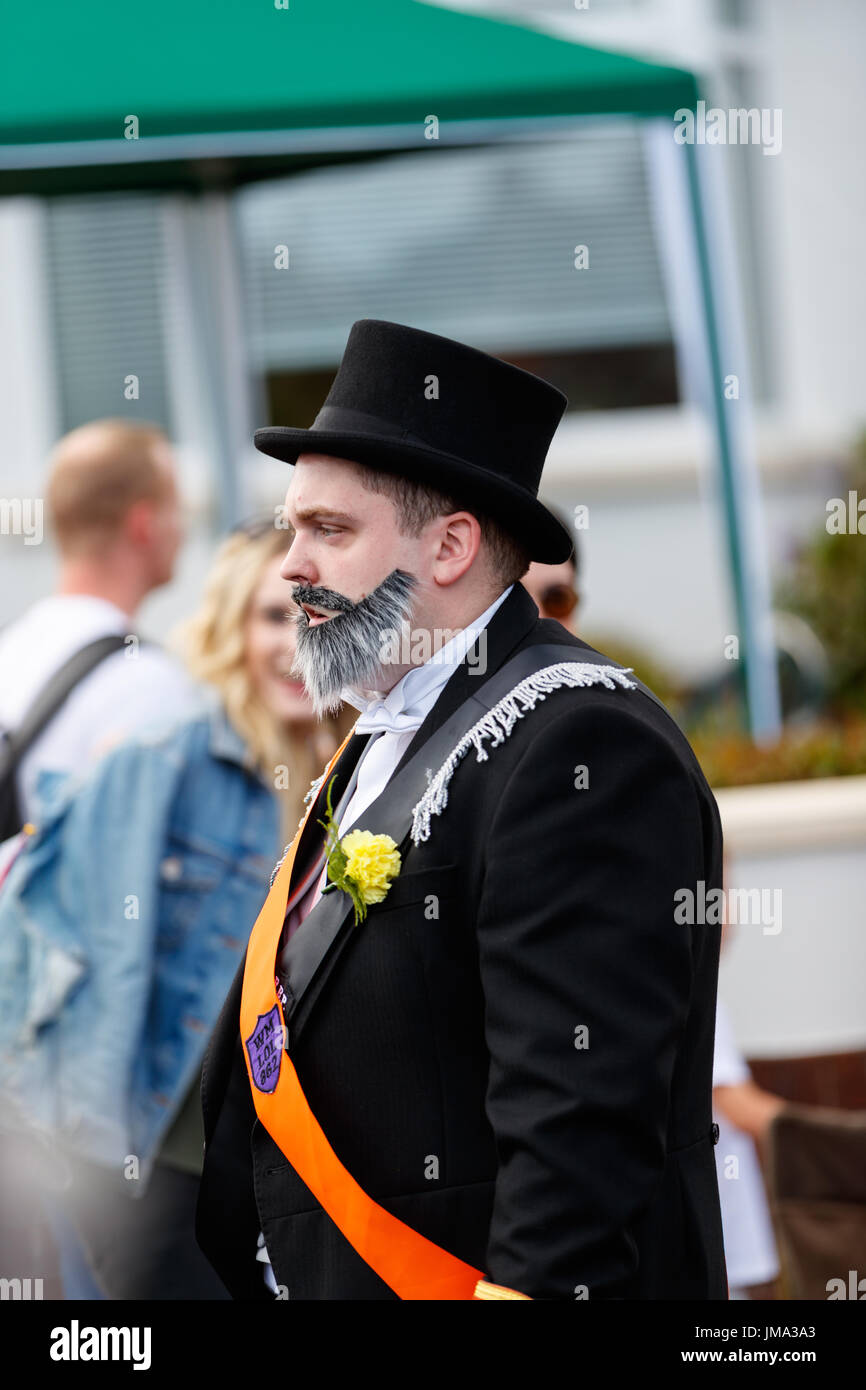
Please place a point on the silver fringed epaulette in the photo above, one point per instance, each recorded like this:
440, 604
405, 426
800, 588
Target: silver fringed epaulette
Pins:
308, 797
314, 788
279, 864
499, 721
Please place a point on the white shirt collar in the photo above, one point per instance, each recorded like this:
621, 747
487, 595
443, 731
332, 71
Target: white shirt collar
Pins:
408, 703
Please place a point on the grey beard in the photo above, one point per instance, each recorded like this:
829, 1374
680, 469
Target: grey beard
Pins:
347, 649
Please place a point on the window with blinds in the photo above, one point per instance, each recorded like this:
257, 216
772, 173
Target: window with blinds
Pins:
476, 243
106, 264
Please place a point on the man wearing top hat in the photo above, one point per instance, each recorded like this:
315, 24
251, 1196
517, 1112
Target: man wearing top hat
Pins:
469, 1051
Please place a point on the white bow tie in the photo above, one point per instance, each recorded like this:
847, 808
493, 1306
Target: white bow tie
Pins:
381, 717
405, 706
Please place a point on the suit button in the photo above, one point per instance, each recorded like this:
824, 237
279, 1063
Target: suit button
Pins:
715, 1133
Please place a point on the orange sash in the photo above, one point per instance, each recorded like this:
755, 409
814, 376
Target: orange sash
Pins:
411, 1265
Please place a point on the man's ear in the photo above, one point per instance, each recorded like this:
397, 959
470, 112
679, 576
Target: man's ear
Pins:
139, 522
460, 542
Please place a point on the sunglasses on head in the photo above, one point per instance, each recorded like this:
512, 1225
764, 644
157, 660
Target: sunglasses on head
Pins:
558, 600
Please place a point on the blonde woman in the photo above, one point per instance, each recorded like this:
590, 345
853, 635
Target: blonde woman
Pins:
148, 874
241, 643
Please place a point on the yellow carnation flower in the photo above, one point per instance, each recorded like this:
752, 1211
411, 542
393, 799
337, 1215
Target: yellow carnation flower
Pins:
361, 864
372, 861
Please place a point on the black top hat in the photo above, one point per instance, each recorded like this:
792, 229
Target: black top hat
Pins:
441, 413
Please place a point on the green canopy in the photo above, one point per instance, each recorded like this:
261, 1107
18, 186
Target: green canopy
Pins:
219, 92
224, 91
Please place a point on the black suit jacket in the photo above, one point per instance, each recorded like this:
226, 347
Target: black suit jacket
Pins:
513, 1053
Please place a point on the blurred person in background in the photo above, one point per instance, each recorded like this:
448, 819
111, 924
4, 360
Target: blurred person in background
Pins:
554, 587
70, 669
124, 919
114, 511
744, 1112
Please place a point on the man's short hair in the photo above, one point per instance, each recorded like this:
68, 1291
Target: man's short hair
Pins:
417, 504
96, 473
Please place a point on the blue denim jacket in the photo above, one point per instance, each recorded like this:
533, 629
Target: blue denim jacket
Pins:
122, 923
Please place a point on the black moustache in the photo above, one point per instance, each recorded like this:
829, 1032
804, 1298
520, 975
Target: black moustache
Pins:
322, 598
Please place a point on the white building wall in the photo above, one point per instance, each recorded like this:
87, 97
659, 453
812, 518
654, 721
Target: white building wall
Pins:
646, 476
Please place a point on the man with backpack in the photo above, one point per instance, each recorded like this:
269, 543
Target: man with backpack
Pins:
73, 677
74, 680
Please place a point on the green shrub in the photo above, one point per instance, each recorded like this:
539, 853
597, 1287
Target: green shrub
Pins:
828, 589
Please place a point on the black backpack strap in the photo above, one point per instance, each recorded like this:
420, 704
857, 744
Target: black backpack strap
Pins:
53, 695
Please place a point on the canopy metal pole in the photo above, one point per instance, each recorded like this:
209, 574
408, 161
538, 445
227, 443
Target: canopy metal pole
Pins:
708, 267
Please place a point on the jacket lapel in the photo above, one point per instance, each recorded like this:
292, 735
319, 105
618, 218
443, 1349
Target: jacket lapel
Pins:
312, 838
310, 956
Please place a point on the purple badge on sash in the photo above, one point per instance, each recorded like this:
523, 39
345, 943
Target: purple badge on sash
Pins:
265, 1049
